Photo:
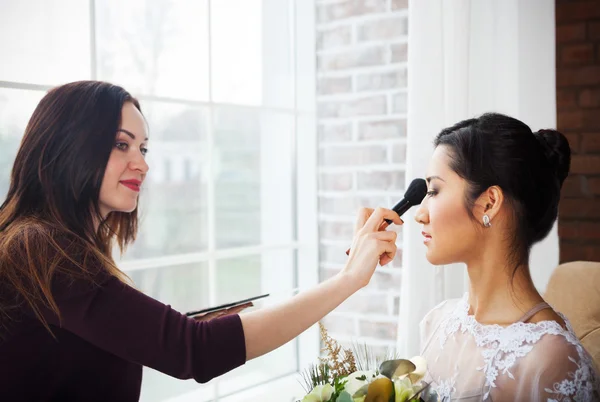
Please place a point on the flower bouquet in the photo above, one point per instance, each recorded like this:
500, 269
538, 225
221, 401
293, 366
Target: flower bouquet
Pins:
354, 376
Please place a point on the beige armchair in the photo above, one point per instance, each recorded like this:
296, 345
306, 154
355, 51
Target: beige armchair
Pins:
574, 290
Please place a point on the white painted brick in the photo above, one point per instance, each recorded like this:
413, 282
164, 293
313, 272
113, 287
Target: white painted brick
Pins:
334, 37
393, 180
363, 57
400, 101
382, 330
334, 254
349, 205
387, 80
336, 231
347, 156
382, 129
388, 28
372, 105
397, 263
386, 281
334, 132
337, 205
334, 85
361, 108
327, 272
362, 302
396, 305
399, 4
339, 323
399, 153
347, 9
336, 181
399, 52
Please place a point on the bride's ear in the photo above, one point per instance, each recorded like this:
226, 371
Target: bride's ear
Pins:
489, 203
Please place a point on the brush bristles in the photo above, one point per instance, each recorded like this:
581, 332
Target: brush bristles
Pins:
416, 191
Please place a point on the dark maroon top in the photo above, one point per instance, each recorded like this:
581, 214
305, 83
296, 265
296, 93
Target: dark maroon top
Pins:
107, 333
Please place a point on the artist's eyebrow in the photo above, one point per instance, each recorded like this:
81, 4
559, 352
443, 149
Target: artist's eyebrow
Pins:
433, 178
129, 133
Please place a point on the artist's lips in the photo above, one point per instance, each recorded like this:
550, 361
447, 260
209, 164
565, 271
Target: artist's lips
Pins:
427, 237
132, 184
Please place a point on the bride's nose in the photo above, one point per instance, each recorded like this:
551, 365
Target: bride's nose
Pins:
422, 215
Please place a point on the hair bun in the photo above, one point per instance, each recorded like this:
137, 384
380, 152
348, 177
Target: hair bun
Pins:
557, 150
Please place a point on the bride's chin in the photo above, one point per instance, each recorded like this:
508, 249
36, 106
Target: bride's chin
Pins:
435, 259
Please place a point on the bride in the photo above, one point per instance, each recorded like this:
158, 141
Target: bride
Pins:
493, 191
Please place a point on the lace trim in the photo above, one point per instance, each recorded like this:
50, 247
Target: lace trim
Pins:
445, 388
502, 346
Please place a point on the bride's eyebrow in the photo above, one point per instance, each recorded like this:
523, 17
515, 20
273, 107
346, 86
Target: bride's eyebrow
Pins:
129, 133
434, 178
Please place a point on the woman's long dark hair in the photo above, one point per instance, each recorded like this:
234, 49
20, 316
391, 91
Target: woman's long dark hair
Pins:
54, 194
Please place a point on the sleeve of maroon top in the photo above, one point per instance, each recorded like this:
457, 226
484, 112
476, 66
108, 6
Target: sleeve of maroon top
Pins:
125, 322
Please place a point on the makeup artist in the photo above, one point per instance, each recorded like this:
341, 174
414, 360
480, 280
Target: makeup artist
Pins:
72, 328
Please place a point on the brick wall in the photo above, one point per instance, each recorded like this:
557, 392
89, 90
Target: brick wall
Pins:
361, 96
578, 107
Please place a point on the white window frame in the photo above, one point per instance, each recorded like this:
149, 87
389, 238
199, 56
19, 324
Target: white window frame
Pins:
303, 159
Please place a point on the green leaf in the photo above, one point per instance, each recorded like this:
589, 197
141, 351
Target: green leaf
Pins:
394, 368
344, 397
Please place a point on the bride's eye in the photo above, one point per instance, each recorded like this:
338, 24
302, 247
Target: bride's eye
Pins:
431, 193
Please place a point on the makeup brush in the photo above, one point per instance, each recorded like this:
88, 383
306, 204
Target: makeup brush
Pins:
413, 196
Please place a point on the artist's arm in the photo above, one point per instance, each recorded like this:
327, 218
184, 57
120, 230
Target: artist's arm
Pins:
269, 328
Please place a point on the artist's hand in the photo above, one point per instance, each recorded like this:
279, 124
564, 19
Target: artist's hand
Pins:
372, 244
223, 312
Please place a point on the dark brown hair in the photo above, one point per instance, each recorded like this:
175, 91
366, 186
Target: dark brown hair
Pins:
47, 221
530, 168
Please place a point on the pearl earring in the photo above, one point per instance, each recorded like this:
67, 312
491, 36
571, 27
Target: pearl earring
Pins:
486, 221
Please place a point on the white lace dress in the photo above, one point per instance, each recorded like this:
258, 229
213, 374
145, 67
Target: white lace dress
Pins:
468, 361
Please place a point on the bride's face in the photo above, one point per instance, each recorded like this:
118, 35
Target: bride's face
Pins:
449, 233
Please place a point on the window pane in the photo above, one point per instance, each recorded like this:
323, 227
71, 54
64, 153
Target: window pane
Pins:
252, 52
237, 278
253, 170
155, 47
16, 107
244, 277
280, 362
185, 288
45, 41
173, 206
159, 387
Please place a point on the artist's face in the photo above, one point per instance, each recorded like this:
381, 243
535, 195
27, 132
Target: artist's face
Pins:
448, 230
126, 168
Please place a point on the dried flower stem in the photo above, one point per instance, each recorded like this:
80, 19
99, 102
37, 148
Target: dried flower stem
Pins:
341, 361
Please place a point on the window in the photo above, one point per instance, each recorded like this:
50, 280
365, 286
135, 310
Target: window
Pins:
229, 208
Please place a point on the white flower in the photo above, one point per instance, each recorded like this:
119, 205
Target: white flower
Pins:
419, 372
404, 389
320, 393
358, 379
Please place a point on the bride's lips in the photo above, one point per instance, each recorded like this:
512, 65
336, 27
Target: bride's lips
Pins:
132, 184
427, 237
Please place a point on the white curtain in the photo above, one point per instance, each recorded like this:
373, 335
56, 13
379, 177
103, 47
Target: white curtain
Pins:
466, 58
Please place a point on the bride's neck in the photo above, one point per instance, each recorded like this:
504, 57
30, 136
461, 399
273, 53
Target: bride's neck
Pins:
495, 295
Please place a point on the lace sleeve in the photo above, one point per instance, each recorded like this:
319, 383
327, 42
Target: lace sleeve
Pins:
430, 322
556, 369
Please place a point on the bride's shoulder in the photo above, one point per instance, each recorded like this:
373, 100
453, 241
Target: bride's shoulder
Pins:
447, 306
440, 311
